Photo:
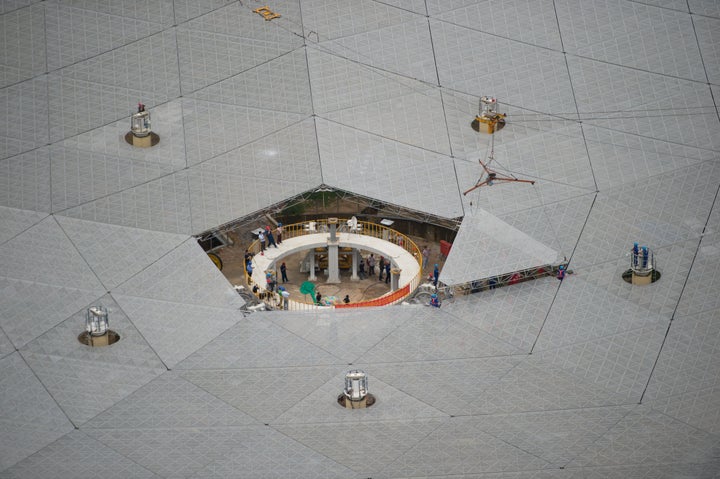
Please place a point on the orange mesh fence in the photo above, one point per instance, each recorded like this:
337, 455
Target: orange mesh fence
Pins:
381, 301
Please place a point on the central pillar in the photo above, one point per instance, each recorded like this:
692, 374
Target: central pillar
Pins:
333, 257
311, 260
395, 278
355, 259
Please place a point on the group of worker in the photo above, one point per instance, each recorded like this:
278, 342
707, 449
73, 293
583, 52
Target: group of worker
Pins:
266, 235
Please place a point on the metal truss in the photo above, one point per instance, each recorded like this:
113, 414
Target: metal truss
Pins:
384, 209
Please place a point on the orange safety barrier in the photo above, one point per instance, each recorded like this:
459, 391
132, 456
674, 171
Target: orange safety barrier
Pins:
388, 299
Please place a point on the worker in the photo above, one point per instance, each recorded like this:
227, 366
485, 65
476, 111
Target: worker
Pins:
561, 272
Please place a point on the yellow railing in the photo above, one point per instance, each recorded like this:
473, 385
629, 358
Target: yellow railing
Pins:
320, 226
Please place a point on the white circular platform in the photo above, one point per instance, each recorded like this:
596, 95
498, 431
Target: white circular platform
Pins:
400, 257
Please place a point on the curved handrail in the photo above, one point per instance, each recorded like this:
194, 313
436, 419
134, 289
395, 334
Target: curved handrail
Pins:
385, 300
